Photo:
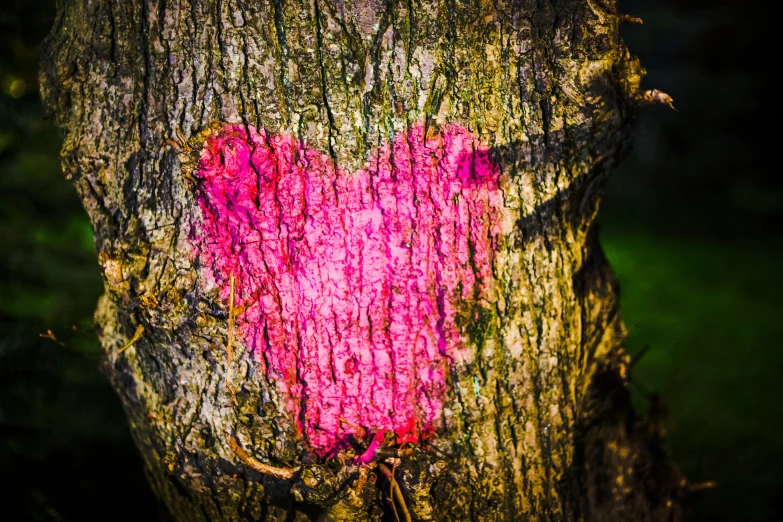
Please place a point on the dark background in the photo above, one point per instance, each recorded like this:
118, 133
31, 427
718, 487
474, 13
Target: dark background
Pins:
691, 224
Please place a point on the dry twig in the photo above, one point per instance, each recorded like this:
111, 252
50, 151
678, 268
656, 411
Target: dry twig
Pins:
230, 338
136, 337
396, 492
361, 432
50, 335
628, 19
656, 96
699, 486
266, 469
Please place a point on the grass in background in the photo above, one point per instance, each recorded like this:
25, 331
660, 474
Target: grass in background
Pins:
65, 449
711, 313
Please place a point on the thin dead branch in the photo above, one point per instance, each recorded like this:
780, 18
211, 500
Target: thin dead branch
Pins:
266, 469
396, 492
229, 345
136, 336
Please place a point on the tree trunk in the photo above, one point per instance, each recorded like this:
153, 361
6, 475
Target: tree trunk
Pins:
350, 254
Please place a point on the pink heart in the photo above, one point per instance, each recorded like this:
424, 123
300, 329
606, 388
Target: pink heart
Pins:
350, 282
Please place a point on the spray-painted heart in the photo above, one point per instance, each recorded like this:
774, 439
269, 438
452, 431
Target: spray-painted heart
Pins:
349, 283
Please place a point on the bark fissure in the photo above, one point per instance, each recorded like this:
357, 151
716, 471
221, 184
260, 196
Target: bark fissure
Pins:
324, 88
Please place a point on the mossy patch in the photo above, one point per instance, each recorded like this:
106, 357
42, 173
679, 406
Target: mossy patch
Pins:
478, 322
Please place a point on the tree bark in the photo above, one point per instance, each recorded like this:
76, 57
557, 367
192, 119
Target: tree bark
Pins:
532, 421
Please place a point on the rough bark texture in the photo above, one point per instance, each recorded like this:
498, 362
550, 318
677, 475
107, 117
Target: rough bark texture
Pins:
536, 423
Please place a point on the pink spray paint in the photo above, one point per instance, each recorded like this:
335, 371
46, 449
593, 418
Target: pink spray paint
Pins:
349, 282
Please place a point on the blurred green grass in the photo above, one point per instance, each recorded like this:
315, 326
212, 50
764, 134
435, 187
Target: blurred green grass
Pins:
65, 449
712, 314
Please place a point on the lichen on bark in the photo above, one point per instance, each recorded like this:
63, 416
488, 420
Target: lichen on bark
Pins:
535, 423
